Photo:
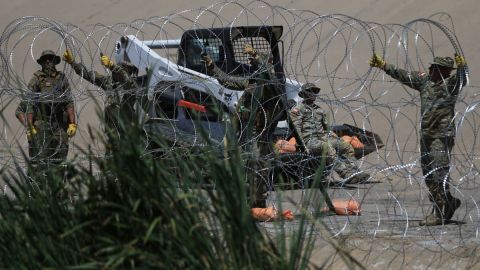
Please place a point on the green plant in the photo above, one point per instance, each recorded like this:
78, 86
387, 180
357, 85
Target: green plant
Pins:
143, 212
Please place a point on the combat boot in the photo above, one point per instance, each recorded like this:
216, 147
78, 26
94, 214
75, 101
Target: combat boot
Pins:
348, 170
450, 207
358, 178
432, 219
435, 217
441, 213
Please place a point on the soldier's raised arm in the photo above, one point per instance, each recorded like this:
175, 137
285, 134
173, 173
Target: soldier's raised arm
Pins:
94, 77
226, 80
459, 80
69, 106
413, 79
121, 73
231, 82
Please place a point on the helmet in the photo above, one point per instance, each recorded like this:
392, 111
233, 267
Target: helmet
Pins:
308, 89
46, 54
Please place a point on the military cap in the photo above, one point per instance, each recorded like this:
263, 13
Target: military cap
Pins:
308, 88
48, 54
443, 62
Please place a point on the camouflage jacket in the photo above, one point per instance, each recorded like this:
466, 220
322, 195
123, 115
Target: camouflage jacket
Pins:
259, 78
260, 84
114, 85
49, 98
310, 121
437, 100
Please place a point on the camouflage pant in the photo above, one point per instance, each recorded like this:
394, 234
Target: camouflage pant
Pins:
262, 123
435, 161
255, 125
257, 183
340, 154
48, 148
256, 122
119, 113
127, 109
112, 116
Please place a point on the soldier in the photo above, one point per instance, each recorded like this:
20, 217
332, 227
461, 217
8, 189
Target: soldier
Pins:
312, 124
257, 109
118, 100
48, 115
259, 104
438, 94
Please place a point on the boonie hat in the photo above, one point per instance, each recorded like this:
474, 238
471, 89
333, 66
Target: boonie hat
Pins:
48, 54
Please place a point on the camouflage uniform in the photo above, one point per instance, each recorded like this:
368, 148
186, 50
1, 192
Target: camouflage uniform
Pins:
115, 86
312, 124
257, 107
23, 108
124, 77
437, 128
259, 103
49, 104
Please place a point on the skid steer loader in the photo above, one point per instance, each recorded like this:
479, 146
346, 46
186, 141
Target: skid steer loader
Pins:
190, 108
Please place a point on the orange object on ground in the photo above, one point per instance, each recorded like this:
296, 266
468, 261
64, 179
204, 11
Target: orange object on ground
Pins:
292, 141
287, 214
345, 207
270, 214
284, 146
354, 141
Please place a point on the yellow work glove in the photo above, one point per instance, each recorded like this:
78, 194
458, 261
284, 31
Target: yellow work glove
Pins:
207, 60
106, 61
68, 57
248, 49
459, 60
377, 61
31, 131
71, 130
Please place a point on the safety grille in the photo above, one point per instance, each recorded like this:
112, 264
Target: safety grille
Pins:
260, 44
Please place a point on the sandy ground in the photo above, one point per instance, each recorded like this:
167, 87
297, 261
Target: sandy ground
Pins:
387, 235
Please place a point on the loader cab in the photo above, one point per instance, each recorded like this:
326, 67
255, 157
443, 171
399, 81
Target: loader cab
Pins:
187, 110
225, 47
185, 114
